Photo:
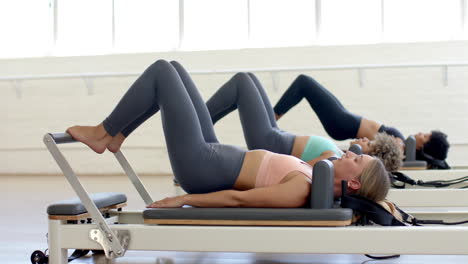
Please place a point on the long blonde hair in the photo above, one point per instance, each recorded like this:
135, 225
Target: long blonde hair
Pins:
375, 182
391, 208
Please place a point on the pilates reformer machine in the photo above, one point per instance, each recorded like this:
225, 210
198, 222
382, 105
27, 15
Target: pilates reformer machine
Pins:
97, 222
414, 173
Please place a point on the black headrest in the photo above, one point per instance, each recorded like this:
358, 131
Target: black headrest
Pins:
368, 209
357, 149
433, 163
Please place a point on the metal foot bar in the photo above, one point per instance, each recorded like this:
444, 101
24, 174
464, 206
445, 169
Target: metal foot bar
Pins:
134, 178
112, 245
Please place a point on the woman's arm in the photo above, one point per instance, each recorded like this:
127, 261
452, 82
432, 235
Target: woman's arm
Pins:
290, 194
325, 155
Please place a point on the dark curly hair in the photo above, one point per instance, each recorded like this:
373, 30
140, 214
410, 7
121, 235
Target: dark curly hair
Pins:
437, 146
435, 151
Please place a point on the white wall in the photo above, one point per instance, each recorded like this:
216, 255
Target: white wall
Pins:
410, 99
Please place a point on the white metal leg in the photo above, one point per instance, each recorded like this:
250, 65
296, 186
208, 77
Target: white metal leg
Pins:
57, 254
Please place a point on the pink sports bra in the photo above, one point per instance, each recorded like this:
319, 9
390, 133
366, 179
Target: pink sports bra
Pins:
275, 167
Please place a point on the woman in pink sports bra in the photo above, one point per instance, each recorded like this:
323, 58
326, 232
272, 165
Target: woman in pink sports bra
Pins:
215, 174
284, 181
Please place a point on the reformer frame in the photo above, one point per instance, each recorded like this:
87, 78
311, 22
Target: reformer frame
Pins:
117, 231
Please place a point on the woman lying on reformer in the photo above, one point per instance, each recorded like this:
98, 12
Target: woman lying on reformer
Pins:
245, 92
340, 124
214, 174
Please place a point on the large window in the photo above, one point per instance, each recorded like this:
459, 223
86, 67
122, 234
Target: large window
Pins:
146, 25
282, 22
211, 24
89, 27
84, 27
422, 20
26, 28
350, 22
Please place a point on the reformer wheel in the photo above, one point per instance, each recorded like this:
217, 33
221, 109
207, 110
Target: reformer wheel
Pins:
38, 257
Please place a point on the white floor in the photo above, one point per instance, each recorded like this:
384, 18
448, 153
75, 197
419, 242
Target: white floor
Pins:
23, 225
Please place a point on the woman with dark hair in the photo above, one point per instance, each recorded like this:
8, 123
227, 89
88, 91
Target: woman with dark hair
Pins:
341, 124
215, 174
432, 147
245, 87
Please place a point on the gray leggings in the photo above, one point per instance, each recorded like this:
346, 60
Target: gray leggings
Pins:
199, 162
245, 93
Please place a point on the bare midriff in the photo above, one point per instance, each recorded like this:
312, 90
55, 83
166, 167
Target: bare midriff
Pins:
368, 128
249, 170
299, 144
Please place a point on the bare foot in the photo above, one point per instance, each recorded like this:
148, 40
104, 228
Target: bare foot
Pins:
95, 137
115, 143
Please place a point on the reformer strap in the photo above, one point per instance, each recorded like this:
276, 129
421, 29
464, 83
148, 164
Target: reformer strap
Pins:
405, 179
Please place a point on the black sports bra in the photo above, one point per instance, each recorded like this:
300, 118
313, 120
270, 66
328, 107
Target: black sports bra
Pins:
391, 131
